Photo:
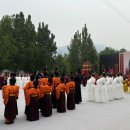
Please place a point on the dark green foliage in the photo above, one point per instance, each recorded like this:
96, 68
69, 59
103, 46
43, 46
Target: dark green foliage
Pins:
61, 62
123, 50
82, 49
24, 48
75, 52
108, 50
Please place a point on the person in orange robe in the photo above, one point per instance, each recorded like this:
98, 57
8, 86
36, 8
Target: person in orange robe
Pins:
60, 96
32, 96
43, 82
28, 86
10, 95
70, 91
46, 98
56, 82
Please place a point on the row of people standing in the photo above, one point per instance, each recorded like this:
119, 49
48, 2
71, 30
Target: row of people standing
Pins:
42, 94
105, 89
21, 80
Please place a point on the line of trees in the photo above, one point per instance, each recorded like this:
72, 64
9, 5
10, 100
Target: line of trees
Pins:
24, 47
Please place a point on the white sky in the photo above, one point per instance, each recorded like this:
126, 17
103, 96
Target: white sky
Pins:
65, 17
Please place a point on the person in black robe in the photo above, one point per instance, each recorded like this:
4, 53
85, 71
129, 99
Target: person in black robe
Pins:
77, 80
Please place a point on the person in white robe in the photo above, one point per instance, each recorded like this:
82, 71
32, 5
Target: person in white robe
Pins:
116, 86
109, 86
104, 89
18, 81
90, 88
98, 89
121, 90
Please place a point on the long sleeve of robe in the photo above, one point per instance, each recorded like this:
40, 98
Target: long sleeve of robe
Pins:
45, 89
59, 88
31, 92
68, 86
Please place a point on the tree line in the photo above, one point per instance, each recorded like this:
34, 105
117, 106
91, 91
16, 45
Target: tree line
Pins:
25, 47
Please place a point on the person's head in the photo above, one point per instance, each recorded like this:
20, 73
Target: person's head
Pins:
12, 81
71, 74
35, 83
50, 81
62, 79
110, 75
32, 77
52, 75
104, 74
92, 75
13, 74
79, 70
45, 74
56, 73
63, 75
71, 78
118, 75
45, 69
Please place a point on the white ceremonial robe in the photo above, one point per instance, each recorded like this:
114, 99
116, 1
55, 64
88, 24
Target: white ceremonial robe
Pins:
90, 89
116, 88
110, 88
97, 91
104, 91
19, 81
121, 90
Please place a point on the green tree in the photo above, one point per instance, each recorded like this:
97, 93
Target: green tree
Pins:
108, 50
88, 50
82, 49
47, 46
22, 48
8, 48
75, 52
25, 35
123, 50
8, 53
61, 62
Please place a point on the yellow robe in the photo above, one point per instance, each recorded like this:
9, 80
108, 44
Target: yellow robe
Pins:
125, 85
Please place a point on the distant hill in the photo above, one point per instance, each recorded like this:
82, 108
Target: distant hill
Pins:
63, 49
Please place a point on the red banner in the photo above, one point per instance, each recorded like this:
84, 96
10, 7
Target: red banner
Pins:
121, 58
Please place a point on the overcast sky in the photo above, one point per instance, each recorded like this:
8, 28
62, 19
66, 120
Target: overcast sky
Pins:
65, 17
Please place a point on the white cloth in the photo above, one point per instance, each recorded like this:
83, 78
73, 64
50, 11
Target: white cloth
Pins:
121, 90
90, 89
97, 91
19, 81
110, 88
101, 91
116, 88
104, 91
24, 81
